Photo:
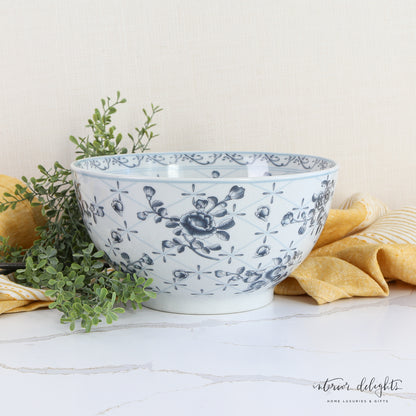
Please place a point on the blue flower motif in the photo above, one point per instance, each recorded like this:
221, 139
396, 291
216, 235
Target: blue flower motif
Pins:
149, 191
117, 206
181, 274
200, 204
262, 251
116, 236
287, 218
236, 192
96, 210
262, 213
311, 217
198, 224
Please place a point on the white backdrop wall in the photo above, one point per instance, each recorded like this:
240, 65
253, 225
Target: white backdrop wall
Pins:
330, 77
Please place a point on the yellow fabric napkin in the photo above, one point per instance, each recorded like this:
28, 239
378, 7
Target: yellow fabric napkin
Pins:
18, 298
19, 225
362, 247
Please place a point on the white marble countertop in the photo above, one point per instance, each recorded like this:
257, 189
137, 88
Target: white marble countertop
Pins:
269, 360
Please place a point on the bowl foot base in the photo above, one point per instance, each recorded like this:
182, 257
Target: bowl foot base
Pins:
210, 305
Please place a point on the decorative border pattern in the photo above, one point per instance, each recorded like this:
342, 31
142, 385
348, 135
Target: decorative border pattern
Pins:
300, 162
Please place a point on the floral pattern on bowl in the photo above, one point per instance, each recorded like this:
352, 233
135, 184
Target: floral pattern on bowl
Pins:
215, 231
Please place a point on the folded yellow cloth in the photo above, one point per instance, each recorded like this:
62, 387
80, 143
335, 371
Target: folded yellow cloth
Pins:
362, 247
19, 226
18, 298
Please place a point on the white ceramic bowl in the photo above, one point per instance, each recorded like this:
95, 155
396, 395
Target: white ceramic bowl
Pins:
216, 231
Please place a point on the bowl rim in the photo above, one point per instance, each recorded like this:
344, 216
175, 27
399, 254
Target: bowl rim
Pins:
292, 176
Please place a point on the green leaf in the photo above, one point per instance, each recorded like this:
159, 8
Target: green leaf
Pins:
103, 293
79, 282
42, 170
51, 270
73, 140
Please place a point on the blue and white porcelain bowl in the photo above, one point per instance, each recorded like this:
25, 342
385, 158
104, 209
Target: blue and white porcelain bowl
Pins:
216, 231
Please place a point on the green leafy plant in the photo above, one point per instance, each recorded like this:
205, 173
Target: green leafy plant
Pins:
64, 260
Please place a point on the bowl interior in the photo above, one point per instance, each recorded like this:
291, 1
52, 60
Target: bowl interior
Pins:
204, 165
